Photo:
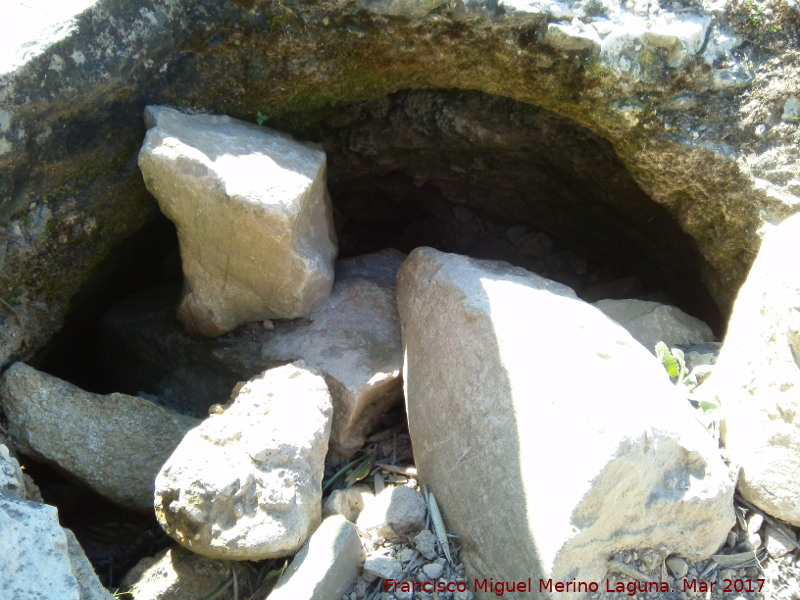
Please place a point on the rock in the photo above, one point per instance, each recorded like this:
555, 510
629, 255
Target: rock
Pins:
38, 556
353, 339
702, 355
485, 346
176, 574
10, 474
757, 377
425, 542
779, 542
385, 567
246, 484
253, 217
348, 502
651, 322
677, 566
326, 565
396, 510
130, 438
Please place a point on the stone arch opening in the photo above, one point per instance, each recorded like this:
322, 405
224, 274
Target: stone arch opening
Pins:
464, 172
478, 174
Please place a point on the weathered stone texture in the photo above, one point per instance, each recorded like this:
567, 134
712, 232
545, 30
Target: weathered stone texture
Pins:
115, 444
653, 322
579, 444
247, 484
326, 565
253, 216
757, 376
37, 556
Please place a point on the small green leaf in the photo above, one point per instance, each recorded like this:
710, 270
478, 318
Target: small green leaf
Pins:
361, 470
669, 362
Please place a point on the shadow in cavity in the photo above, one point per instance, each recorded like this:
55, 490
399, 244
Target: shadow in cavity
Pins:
420, 153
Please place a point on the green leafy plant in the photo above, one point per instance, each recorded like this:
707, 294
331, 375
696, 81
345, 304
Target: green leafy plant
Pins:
261, 118
674, 363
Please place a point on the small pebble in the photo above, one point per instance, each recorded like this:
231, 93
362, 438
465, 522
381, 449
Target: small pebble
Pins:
677, 566
433, 570
425, 542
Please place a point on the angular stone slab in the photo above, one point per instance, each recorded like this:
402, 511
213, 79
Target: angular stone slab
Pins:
115, 444
246, 484
253, 216
653, 322
571, 431
354, 339
326, 565
757, 377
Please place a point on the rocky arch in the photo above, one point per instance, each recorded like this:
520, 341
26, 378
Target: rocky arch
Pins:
666, 93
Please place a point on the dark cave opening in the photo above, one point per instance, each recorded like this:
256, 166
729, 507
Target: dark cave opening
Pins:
463, 172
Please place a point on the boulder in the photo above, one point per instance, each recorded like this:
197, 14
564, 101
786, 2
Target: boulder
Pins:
253, 216
246, 484
578, 442
128, 438
653, 322
757, 377
38, 556
326, 565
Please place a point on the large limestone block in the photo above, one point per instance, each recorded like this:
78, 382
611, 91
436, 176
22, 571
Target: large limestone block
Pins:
326, 565
246, 484
568, 431
653, 322
115, 444
253, 216
757, 376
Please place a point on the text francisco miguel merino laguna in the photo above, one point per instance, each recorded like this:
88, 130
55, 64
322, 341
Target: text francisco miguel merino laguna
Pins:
629, 588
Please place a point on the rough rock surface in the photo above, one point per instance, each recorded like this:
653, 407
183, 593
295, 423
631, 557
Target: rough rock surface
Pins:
176, 574
326, 565
38, 556
400, 506
490, 398
652, 322
128, 438
246, 483
757, 377
353, 339
253, 216
71, 97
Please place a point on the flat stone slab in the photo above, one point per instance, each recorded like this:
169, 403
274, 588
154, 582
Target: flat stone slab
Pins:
253, 216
